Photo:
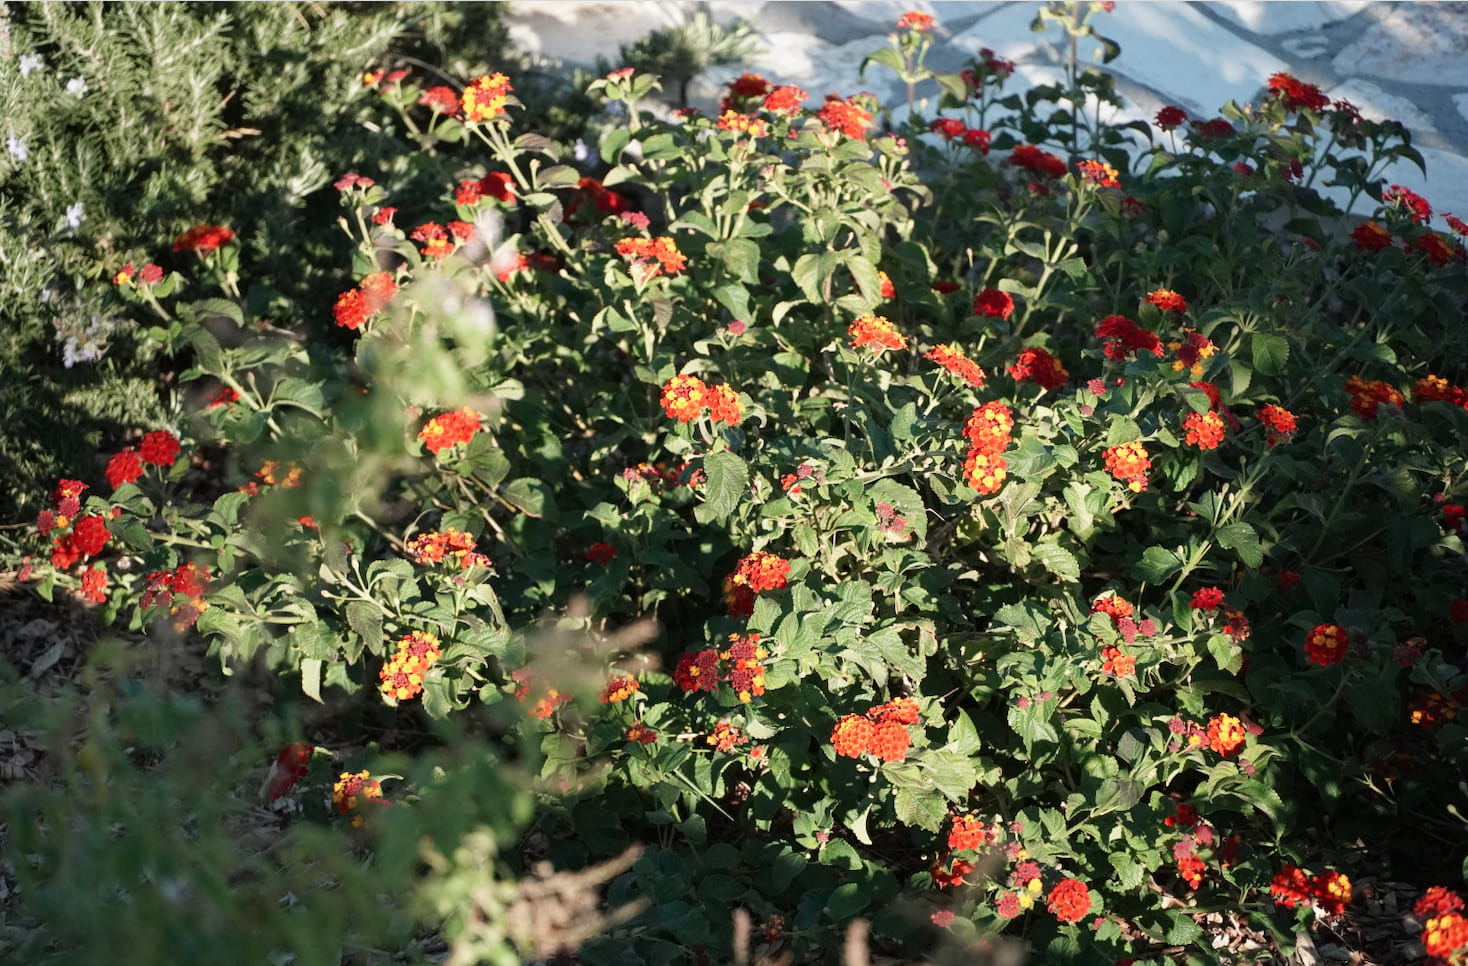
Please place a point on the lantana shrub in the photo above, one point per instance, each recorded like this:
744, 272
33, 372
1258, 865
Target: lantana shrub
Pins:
1005, 524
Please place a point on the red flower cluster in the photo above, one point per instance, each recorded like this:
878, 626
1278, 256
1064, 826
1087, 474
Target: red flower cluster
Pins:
994, 304
124, 467
652, 257
439, 545
988, 432
1040, 367
953, 358
402, 676
1124, 338
160, 448
1414, 204
752, 576
203, 239
1291, 887
1191, 351
846, 117
1326, 644
744, 89
1206, 598
484, 99
1371, 237
1280, 422
1069, 900
441, 100
1225, 734
606, 201
601, 553
740, 665
1437, 389
1041, 162
784, 100
189, 581
355, 306
449, 429
1129, 464
1171, 117
915, 20
968, 833
496, 185
881, 731
1296, 94
878, 333
726, 736
1436, 248
1368, 395
1203, 430
289, 767
685, 398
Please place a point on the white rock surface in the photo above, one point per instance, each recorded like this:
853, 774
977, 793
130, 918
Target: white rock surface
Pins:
1273, 18
578, 32
1460, 101
1377, 105
1414, 43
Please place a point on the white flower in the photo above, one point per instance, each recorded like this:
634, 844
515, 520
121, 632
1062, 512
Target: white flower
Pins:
31, 62
17, 147
75, 215
77, 87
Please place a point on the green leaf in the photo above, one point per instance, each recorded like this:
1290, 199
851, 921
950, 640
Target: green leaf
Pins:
1269, 352
838, 852
366, 620
1241, 538
740, 256
311, 679
886, 56
1181, 930
531, 497
906, 502
921, 809
1032, 722
228, 507
1157, 564
1058, 560
726, 484
847, 901
212, 308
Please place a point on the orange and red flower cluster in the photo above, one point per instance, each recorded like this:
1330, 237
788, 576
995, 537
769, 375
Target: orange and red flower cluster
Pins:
846, 117
1129, 464
356, 306
877, 332
1280, 422
740, 665
351, 790
1444, 929
496, 185
651, 257
1099, 173
1291, 887
484, 99
753, 575
1069, 900
449, 429
289, 767
1368, 395
915, 20
88, 534
1203, 430
1040, 367
189, 581
1117, 664
969, 833
619, 688
1167, 300
881, 731
988, 432
438, 545
1326, 644
685, 398
742, 124
953, 358
402, 676
203, 239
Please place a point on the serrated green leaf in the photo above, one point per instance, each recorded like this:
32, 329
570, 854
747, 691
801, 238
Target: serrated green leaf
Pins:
366, 620
1242, 540
311, 679
531, 497
726, 484
1157, 564
920, 809
1058, 560
1269, 353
